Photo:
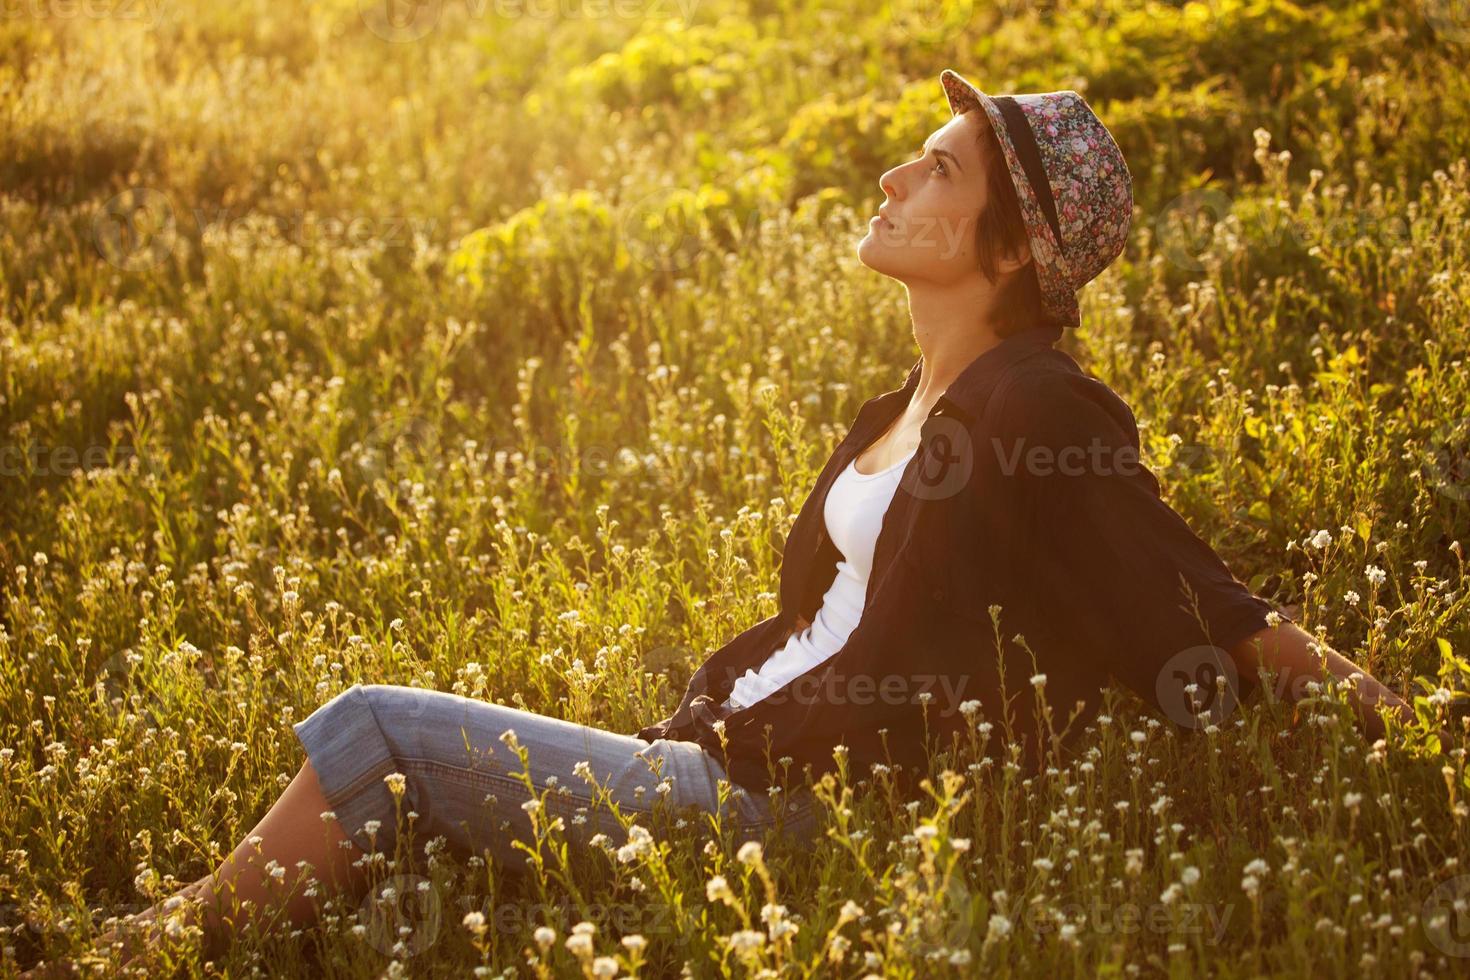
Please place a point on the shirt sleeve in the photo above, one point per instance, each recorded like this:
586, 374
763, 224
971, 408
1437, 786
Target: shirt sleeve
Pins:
1127, 578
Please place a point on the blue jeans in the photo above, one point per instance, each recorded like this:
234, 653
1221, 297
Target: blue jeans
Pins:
464, 781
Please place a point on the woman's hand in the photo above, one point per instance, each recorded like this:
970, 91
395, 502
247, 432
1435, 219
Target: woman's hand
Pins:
1297, 658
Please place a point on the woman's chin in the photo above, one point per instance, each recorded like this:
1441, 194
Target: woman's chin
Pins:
871, 253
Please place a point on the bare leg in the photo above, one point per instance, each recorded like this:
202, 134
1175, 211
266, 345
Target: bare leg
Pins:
293, 830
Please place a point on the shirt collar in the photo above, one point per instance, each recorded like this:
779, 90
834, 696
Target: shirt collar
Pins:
967, 391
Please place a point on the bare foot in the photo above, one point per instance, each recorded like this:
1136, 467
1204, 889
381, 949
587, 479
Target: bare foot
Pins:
144, 921
52, 970
124, 934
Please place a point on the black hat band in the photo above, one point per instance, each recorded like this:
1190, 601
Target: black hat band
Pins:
1025, 142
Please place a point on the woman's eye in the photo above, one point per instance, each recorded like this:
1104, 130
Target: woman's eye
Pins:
920, 155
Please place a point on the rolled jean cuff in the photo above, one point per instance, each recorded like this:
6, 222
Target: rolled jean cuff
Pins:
347, 749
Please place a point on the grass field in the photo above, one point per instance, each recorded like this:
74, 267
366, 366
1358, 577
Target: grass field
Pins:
492, 348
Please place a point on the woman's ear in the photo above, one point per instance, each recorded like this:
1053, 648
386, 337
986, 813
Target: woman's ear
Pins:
1023, 254
1017, 260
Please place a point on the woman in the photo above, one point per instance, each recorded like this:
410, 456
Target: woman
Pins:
914, 544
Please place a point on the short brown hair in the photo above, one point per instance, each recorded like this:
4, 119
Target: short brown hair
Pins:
1000, 230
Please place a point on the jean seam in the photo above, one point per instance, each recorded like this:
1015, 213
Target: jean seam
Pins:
363, 781
373, 773
489, 779
484, 778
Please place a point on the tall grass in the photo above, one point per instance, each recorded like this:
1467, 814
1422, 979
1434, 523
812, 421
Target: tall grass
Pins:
500, 360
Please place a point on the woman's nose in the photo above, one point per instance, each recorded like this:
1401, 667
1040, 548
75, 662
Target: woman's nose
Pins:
889, 184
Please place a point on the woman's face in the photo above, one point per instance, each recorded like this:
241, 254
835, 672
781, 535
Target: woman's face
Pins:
931, 205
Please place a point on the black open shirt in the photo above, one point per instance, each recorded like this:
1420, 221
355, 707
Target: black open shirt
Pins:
1026, 494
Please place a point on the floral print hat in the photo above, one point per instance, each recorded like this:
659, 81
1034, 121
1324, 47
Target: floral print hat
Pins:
1075, 190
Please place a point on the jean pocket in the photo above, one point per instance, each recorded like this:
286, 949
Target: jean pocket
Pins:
801, 807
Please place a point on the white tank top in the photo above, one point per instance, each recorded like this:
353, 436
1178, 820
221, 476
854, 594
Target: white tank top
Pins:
853, 512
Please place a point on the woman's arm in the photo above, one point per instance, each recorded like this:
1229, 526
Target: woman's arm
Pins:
1297, 657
